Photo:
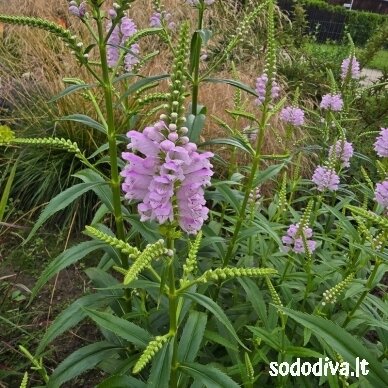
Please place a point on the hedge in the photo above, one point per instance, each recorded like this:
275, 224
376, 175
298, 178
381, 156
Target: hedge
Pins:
360, 24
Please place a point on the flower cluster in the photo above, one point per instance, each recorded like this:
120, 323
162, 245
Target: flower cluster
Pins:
157, 19
6, 135
381, 143
119, 36
261, 89
332, 101
77, 10
294, 241
350, 66
168, 178
292, 115
381, 194
342, 151
325, 178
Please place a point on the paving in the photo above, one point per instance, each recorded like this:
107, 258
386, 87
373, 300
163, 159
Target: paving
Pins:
369, 76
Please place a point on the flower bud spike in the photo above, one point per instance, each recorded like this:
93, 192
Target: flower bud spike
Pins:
150, 253
331, 295
150, 351
190, 266
113, 241
274, 295
230, 273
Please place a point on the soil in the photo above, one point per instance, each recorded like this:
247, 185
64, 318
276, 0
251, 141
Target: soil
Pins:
19, 270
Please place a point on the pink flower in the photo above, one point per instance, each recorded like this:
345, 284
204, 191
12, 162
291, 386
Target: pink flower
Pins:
381, 143
325, 179
343, 151
261, 89
293, 240
350, 66
292, 115
381, 194
170, 171
332, 101
119, 36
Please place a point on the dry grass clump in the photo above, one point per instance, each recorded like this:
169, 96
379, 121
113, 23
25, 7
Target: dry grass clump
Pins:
34, 63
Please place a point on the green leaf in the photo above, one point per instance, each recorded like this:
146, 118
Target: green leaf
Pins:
7, 190
232, 82
70, 90
267, 174
219, 339
143, 82
195, 124
238, 113
303, 352
59, 202
66, 258
123, 77
268, 337
256, 298
121, 382
161, 367
343, 343
345, 223
80, 361
121, 327
85, 120
145, 229
208, 375
206, 35
71, 316
229, 195
195, 47
216, 310
192, 336
107, 284
232, 141
103, 190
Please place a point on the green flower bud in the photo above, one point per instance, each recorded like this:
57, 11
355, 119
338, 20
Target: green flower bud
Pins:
152, 348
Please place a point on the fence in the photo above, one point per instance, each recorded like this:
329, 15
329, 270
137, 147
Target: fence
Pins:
329, 23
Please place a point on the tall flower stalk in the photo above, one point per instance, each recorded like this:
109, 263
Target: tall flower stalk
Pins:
267, 90
201, 6
168, 176
111, 134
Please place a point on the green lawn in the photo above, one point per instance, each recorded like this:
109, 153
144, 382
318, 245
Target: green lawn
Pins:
379, 61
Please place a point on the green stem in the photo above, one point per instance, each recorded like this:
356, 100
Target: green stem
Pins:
173, 304
196, 80
115, 179
307, 267
365, 293
248, 188
97, 108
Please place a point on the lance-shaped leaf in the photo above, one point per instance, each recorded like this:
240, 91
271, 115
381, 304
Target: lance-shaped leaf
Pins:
66, 258
71, 316
216, 310
192, 336
80, 361
121, 327
85, 120
208, 375
343, 343
62, 200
